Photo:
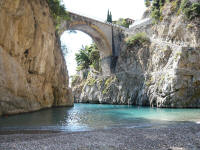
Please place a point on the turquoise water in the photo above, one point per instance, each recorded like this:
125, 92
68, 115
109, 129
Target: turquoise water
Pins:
83, 117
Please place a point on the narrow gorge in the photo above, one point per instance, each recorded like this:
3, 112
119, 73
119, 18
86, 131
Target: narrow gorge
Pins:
131, 85
155, 63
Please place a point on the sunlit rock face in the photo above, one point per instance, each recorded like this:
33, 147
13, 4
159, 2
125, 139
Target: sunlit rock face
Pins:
162, 73
173, 74
33, 74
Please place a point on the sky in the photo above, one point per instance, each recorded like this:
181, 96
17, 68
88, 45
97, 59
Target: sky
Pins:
96, 9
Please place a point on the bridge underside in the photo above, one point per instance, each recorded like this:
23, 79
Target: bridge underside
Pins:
102, 43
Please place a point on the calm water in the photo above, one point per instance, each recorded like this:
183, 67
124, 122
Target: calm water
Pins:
95, 116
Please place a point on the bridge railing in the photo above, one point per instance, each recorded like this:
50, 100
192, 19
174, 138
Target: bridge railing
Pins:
95, 18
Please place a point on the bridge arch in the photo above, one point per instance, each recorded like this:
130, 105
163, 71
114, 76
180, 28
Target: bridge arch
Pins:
96, 34
100, 32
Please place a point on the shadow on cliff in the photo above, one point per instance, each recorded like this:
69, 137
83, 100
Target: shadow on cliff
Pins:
130, 70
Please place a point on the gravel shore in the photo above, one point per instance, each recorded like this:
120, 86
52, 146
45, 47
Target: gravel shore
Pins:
176, 137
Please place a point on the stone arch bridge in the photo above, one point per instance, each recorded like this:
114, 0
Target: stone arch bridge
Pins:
107, 37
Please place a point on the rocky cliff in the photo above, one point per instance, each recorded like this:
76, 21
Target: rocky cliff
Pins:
33, 74
163, 71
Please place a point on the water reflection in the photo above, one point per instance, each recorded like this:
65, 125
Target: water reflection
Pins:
93, 116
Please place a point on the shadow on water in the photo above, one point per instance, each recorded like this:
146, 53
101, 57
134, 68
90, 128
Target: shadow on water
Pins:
45, 117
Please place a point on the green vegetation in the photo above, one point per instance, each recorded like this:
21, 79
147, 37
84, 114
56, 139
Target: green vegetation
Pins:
57, 11
95, 59
155, 14
90, 80
122, 22
156, 9
88, 57
99, 83
189, 9
147, 3
138, 39
109, 17
149, 81
176, 6
108, 83
190, 26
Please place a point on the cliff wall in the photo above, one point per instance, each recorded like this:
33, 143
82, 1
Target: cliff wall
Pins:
33, 73
163, 71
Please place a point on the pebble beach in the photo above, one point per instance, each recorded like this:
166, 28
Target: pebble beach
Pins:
176, 137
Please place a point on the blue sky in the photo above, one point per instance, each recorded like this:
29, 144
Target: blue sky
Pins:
96, 9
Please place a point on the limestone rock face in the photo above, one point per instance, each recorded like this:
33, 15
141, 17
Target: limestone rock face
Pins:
123, 87
162, 73
33, 74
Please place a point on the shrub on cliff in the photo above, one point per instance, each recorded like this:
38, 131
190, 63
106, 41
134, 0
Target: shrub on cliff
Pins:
57, 11
122, 22
147, 3
137, 39
155, 14
156, 9
190, 10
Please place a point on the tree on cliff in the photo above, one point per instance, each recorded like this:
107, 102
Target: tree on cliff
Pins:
88, 57
109, 16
